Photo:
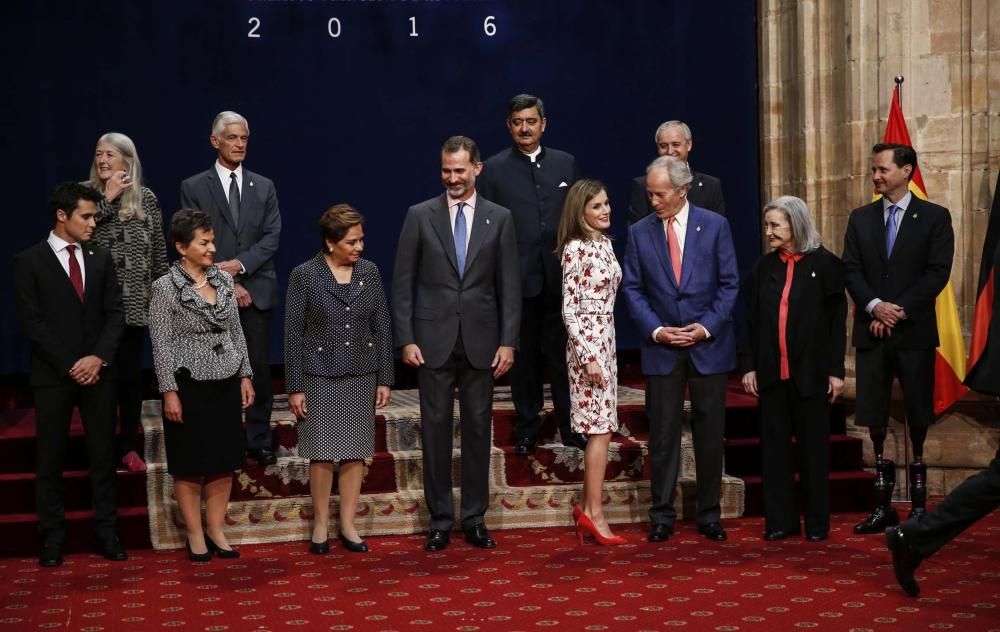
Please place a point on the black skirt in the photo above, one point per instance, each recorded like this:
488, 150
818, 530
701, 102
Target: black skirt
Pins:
210, 439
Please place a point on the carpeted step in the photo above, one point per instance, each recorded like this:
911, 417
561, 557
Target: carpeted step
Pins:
743, 455
279, 519
19, 490
19, 532
849, 492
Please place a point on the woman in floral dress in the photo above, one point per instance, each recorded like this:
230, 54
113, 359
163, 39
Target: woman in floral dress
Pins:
591, 276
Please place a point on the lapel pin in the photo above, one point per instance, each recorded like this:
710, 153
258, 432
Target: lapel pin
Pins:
361, 283
251, 183
90, 252
487, 221
914, 216
814, 275
697, 229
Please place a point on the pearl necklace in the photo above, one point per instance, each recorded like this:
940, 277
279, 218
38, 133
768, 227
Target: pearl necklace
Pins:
198, 286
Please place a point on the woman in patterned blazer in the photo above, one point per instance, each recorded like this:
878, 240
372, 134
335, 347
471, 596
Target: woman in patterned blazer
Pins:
591, 276
338, 368
130, 226
204, 374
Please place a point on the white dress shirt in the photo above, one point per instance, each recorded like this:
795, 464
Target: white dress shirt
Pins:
469, 210
224, 178
58, 246
902, 205
680, 230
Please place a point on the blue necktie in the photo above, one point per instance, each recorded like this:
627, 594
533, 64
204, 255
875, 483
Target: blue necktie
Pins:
460, 239
890, 230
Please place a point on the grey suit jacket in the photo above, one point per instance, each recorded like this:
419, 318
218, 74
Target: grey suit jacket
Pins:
255, 241
431, 303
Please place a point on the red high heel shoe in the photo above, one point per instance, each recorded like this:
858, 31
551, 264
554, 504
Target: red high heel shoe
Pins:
577, 512
586, 524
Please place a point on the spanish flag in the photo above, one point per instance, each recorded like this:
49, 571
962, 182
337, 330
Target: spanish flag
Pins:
949, 365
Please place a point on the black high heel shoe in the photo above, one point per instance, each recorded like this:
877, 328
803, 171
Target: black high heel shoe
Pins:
213, 548
351, 545
198, 557
319, 548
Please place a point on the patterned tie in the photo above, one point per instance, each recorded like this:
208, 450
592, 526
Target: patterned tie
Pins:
234, 198
75, 274
674, 247
460, 239
890, 230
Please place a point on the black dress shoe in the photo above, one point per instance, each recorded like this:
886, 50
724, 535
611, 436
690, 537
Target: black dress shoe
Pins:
319, 548
51, 556
774, 535
437, 540
660, 533
574, 440
877, 521
351, 545
218, 551
817, 537
524, 447
480, 537
263, 456
112, 550
198, 557
712, 531
904, 560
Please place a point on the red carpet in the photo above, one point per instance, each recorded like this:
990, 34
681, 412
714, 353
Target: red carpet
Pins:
536, 579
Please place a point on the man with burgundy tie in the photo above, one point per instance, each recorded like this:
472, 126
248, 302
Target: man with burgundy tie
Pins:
897, 254
244, 210
70, 308
681, 282
456, 294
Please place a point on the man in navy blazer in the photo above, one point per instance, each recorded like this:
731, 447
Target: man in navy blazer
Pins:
681, 284
532, 181
244, 210
673, 138
70, 308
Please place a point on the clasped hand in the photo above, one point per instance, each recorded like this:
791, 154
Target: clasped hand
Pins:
681, 336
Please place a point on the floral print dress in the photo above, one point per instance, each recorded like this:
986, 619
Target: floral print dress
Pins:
591, 276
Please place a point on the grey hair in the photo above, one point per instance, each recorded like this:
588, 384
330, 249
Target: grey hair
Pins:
131, 198
804, 234
677, 170
680, 124
227, 118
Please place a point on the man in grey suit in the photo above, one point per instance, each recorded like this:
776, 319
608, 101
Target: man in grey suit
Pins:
244, 210
457, 307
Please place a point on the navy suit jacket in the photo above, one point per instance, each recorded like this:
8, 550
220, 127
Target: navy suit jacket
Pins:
707, 293
333, 330
534, 193
912, 277
705, 192
255, 241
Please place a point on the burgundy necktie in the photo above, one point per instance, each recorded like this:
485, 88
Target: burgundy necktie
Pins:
75, 274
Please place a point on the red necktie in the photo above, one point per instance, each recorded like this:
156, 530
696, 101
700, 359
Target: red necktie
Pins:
75, 274
674, 247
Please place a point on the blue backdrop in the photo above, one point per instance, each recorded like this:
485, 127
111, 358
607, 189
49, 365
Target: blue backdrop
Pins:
360, 117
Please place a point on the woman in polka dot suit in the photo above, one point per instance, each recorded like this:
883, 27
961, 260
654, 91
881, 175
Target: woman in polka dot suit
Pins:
338, 367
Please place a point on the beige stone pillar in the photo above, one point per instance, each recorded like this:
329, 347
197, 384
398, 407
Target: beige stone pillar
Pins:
826, 80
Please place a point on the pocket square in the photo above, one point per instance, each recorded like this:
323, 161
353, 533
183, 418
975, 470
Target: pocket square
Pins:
563, 184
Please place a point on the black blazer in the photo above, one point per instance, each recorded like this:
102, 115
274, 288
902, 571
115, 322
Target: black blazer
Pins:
912, 278
59, 327
534, 193
985, 374
705, 191
333, 330
816, 329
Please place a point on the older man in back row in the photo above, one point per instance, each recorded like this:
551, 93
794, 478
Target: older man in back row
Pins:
680, 284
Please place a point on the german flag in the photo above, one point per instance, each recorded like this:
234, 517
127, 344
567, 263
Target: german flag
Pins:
949, 365
984, 294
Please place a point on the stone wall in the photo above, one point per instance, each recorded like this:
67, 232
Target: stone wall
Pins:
826, 80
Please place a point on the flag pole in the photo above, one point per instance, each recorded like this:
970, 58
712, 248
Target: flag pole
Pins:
899, 79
